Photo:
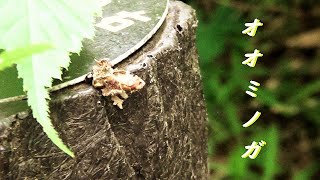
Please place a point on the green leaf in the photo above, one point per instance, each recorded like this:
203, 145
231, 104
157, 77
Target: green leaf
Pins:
8, 58
306, 91
232, 119
270, 164
238, 167
61, 23
223, 24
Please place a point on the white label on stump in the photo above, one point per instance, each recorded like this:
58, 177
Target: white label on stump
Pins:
121, 20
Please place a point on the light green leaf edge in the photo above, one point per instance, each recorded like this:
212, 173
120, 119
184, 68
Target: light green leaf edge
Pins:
61, 23
8, 58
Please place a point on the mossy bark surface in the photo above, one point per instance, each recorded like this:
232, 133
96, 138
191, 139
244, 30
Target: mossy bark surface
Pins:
160, 134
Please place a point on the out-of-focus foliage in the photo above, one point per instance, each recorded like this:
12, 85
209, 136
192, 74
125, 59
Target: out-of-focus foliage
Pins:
288, 96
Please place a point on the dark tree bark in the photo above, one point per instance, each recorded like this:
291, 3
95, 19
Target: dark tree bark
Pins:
160, 134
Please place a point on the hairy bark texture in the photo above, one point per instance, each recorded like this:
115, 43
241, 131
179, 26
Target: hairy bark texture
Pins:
160, 133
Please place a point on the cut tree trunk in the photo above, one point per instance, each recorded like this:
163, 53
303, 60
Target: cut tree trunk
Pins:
161, 132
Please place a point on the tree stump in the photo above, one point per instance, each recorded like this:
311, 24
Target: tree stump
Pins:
160, 134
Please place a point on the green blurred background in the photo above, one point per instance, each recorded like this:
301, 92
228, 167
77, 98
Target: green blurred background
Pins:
288, 97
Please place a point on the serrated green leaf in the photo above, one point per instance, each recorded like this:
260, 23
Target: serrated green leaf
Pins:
61, 23
36, 74
8, 58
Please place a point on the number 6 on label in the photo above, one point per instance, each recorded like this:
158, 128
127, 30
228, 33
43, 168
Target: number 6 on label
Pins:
120, 21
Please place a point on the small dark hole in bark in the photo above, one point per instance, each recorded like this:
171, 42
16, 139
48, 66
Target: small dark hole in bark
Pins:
89, 78
139, 174
150, 56
179, 28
